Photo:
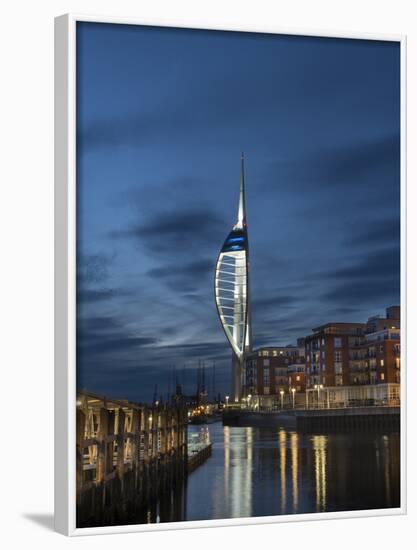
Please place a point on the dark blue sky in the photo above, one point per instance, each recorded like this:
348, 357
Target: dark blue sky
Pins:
162, 115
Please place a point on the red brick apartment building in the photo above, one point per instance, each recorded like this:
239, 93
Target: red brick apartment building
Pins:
346, 354
266, 369
297, 377
336, 354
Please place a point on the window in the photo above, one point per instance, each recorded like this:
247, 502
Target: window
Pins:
266, 390
337, 342
323, 354
382, 376
338, 368
338, 356
297, 378
339, 380
382, 362
323, 367
266, 362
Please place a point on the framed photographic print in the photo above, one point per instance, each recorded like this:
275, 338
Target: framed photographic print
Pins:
229, 275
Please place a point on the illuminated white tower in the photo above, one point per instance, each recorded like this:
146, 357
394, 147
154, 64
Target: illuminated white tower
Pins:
231, 284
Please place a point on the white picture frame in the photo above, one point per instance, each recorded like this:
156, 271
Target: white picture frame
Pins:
65, 281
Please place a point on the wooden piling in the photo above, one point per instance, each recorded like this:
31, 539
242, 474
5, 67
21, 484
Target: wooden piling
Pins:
128, 456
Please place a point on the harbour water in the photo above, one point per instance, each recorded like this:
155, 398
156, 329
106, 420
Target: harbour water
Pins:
273, 471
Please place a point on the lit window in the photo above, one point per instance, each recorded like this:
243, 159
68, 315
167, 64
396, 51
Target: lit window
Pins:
382, 376
297, 378
382, 362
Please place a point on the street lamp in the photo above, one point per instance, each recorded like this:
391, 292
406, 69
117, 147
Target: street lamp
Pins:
227, 400
318, 387
281, 392
293, 397
249, 398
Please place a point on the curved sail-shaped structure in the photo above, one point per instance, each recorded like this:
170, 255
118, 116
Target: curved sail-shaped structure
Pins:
232, 289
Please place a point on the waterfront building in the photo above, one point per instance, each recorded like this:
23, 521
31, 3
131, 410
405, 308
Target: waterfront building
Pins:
376, 359
232, 292
330, 397
297, 377
327, 353
345, 354
266, 370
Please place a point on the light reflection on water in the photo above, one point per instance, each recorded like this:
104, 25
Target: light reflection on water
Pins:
267, 471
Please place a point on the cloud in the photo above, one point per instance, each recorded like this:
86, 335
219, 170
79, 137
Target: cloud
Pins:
381, 233
92, 268
185, 277
380, 264
366, 291
106, 335
373, 279
340, 165
176, 231
273, 302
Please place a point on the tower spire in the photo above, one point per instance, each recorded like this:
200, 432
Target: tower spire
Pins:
241, 217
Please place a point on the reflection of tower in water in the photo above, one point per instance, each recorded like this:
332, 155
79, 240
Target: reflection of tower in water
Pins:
238, 473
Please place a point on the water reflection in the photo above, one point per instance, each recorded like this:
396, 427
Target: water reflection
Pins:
266, 471
282, 436
319, 443
294, 470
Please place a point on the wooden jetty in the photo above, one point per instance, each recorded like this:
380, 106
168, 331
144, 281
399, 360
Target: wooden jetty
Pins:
128, 455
